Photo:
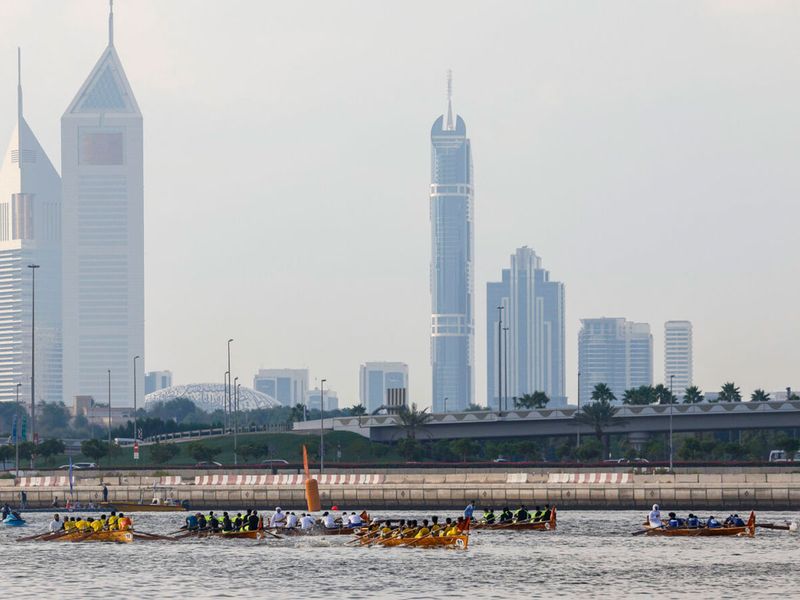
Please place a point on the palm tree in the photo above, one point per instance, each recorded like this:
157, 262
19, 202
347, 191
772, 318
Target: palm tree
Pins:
412, 419
358, 410
534, 400
599, 415
730, 393
759, 395
692, 395
602, 392
663, 395
297, 413
644, 394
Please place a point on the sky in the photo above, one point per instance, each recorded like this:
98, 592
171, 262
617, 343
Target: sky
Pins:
648, 151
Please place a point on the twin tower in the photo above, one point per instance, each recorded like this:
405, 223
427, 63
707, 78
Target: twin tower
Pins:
79, 239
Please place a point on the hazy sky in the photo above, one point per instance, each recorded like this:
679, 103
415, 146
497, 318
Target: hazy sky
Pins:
648, 151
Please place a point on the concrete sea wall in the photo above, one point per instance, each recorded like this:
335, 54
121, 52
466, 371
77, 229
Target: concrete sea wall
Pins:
424, 490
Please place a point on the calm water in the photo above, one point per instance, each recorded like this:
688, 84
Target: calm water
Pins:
592, 554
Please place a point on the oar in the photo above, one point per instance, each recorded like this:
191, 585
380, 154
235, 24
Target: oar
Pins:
85, 537
417, 540
276, 536
37, 536
773, 526
152, 536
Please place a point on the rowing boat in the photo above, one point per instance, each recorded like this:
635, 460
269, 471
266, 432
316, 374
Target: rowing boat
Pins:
119, 537
548, 525
447, 541
142, 507
341, 530
748, 530
256, 534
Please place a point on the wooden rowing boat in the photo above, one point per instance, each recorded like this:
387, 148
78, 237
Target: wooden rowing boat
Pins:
448, 541
748, 530
257, 534
119, 537
141, 507
548, 525
341, 530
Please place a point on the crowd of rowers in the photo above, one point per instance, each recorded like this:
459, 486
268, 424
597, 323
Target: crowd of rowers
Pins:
114, 522
280, 519
521, 515
413, 529
692, 521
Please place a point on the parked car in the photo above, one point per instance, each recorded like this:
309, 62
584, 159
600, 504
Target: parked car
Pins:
275, 462
782, 456
501, 459
207, 464
80, 465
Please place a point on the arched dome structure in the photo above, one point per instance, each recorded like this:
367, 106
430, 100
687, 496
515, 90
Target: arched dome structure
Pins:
211, 396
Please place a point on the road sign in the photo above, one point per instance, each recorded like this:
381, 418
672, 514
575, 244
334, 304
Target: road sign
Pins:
135, 450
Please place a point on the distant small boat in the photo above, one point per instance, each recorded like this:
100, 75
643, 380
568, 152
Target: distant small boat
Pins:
13, 521
162, 506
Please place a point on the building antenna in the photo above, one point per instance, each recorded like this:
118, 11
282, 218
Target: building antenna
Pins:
449, 125
110, 22
19, 107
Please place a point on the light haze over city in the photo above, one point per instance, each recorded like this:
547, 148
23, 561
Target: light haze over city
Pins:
648, 152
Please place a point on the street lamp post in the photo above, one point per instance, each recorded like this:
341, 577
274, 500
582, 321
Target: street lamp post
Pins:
33, 351
109, 410
505, 364
16, 434
445, 404
235, 414
322, 425
500, 357
670, 422
135, 428
228, 390
578, 443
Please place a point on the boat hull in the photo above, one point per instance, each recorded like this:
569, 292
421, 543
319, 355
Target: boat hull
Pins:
117, 537
449, 541
136, 507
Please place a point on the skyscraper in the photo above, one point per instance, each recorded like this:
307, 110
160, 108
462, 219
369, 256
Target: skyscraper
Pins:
375, 378
287, 386
678, 355
30, 233
533, 351
103, 234
451, 206
616, 352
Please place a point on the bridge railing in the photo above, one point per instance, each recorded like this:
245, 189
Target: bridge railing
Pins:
217, 432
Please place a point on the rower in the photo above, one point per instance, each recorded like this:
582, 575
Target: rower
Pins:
538, 514
191, 523
692, 522
328, 521
462, 524
470, 508
506, 516
712, 523
452, 528
227, 524
212, 521
97, 525
355, 520
252, 522
306, 522
673, 522
124, 523
547, 513
112, 520
55, 524
654, 518
738, 521
278, 519
521, 514
488, 516
237, 522
103, 521
291, 521
69, 523
424, 531
80, 524
435, 527
345, 518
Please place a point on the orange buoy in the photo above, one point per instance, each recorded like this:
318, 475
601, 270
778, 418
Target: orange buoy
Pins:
312, 495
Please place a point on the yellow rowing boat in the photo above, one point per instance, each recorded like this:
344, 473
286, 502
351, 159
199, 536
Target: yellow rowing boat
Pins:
119, 537
451, 541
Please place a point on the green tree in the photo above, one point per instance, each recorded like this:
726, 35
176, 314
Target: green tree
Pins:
94, 449
297, 413
475, 408
411, 420
759, 395
527, 449
358, 410
464, 448
663, 395
692, 395
790, 445
643, 395
248, 451
602, 392
590, 450
52, 418
730, 393
51, 448
7, 452
162, 453
599, 415
534, 400
202, 452
409, 448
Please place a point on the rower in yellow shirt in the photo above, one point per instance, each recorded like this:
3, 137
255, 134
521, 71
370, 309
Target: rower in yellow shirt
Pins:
112, 521
424, 531
96, 525
69, 524
80, 524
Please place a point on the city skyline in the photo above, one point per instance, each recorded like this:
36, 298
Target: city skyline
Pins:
547, 176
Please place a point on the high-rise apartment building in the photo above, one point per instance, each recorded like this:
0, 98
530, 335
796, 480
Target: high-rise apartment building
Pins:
530, 340
30, 234
287, 386
103, 234
616, 352
375, 378
313, 399
678, 363
451, 213
157, 380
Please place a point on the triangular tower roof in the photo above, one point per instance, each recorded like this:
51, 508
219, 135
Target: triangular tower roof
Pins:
106, 90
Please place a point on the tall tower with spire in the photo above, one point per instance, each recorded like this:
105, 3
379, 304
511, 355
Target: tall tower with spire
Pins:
103, 234
30, 218
451, 213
